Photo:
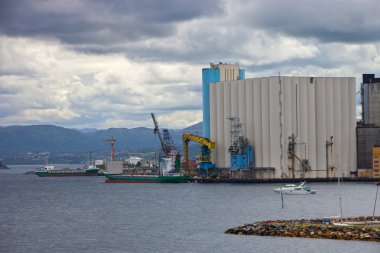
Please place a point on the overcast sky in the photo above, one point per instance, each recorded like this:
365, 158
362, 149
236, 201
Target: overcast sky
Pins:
102, 64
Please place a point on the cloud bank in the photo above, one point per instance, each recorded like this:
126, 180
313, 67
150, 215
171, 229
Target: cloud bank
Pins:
85, 64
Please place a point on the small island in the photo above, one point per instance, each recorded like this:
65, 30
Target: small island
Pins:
353, 228
3, 167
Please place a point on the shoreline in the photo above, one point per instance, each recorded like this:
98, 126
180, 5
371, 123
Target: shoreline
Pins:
361, 228
280, 180
258, 181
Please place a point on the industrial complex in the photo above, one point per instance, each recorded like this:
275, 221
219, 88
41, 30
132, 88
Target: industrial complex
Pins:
277, 128
290, 126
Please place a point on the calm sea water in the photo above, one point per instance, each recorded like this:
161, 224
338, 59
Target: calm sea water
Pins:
83, 214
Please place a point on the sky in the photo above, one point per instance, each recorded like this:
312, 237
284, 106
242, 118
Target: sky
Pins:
104, 64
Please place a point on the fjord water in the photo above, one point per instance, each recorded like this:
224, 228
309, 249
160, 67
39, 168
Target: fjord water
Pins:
84, 214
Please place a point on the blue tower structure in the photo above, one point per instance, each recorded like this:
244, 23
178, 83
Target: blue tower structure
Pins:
216, 73
209, 75
241, 74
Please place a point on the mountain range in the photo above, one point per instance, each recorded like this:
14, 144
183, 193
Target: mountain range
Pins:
50, 138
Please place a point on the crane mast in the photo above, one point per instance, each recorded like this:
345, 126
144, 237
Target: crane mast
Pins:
157, 130
167, 144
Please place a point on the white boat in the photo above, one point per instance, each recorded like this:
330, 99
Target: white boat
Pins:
292, 189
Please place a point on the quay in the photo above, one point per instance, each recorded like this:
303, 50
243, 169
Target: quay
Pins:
277, 180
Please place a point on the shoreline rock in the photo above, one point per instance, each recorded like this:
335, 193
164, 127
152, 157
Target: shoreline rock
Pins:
327, 228
3, 167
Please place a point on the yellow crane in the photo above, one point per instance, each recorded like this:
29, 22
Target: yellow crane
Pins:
207, 145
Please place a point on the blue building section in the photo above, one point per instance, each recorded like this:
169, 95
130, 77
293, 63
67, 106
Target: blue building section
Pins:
241, 74
209, 75
244, 160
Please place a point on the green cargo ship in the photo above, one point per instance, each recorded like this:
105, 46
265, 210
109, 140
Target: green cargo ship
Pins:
48, 171
166, 178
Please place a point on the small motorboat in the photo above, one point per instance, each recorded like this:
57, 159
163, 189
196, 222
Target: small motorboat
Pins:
292, 189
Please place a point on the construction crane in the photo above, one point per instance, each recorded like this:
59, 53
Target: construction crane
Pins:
207, 145
167, 144
112, 142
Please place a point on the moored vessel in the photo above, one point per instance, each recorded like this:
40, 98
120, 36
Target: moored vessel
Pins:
164, 178
49, 171
292, 189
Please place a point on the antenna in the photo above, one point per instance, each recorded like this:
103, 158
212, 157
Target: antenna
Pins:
340, 196
296, 111
281, 128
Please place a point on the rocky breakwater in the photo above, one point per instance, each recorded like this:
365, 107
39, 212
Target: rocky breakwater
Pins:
354, 228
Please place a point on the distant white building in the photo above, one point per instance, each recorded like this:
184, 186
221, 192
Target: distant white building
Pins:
133, 160
99, 162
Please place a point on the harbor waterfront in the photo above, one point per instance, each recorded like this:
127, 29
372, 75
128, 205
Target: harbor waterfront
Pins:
83, 214
168, 178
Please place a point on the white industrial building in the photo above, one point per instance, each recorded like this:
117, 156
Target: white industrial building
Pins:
319, 112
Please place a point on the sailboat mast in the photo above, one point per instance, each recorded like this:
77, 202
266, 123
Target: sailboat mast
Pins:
340, 199
374, 206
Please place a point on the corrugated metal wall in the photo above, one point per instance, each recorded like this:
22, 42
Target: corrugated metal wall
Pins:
313, 109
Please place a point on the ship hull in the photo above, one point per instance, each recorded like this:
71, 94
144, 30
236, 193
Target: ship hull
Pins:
92, 172
145, 179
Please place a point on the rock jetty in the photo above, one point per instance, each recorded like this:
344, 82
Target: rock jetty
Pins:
353, 228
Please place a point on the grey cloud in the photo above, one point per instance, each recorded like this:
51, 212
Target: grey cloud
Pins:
8, 90
326, 20
98, 21
295, 63
96, 26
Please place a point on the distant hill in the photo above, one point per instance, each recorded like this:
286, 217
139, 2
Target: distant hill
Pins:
87, 130
196, 129
40, 138
49, 138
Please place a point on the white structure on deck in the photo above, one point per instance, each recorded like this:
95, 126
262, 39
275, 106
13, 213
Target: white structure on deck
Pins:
134, 160
319, 112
